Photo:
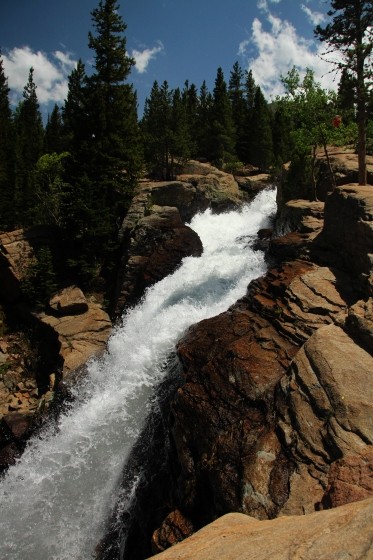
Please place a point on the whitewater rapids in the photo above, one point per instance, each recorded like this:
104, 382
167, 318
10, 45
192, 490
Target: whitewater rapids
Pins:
56, 500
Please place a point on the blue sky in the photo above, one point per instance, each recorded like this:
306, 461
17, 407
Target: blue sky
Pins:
173, 40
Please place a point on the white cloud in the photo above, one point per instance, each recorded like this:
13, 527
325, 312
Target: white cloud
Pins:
278, 50
314, 17
142, 58
243, 47
50, 73
263, 4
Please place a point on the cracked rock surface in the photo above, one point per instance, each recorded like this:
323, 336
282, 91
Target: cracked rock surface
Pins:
275, 415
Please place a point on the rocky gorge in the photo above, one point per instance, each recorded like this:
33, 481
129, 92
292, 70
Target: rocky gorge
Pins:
272, 417
43, 351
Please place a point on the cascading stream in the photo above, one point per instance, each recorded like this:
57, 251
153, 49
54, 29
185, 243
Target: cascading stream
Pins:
55, 501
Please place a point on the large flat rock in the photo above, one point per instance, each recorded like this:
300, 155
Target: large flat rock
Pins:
338, 534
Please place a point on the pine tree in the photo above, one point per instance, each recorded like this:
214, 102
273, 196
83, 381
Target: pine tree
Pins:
203, 122
6, 155
75, 110
113, 106
181, 143
191, 103
310, 109
261, 149
281, 135
75, 204
239, 110
100, 121
223, 139
351, 33
53, 140
157, 130
50, 189
29, 142
250, 88
347, 96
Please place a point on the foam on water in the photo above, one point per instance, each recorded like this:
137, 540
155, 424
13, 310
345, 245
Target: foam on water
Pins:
55, 501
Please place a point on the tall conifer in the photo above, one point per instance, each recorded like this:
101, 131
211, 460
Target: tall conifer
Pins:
262, 143
239, 109
223, 139
157, 130
347, 96
203, 120
29, 147
191, 103
250, 88
100, 121
181, 146
75, 110
113, 105
53, 141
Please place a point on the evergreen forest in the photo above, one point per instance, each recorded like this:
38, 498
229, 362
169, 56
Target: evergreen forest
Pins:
76, 174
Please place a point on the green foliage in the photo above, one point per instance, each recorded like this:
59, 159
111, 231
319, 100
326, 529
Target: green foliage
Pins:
29, 140
102, 135
222, 133
50, 189
250, 88
347, 97
261, 144
233, 166
298, 183
190, 102
157, 130
40, 281
53, 139
166, 129
181, 141
311, 110
350, 32
239, 109
74, 113
203, 121
281, 136
115, 148
80, 173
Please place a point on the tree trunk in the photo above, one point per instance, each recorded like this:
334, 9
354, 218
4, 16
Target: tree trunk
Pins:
331, 172
313, 167
361, 110
362, 141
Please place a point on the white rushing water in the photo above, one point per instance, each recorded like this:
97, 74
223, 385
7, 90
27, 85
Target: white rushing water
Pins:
54, 502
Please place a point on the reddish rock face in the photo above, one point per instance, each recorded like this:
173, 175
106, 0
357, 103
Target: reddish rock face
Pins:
277, 394
232, 455
155, 236
224, 408
157, 245
347, 235
350, 479
176, 527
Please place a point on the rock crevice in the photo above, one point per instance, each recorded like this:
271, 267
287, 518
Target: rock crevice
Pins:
276, 404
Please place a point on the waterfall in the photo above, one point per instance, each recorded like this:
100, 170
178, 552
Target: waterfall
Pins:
56, 499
